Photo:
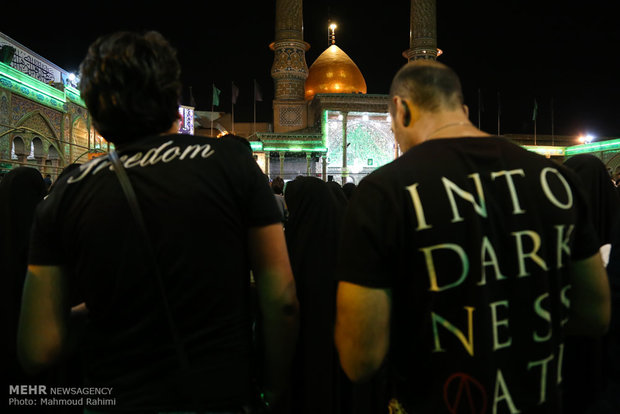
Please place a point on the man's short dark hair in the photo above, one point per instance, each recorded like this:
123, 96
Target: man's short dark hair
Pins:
277, 185
429, 84
131, 85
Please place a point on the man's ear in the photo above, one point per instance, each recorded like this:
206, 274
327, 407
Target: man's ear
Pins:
466, 110
402, 111
407, 115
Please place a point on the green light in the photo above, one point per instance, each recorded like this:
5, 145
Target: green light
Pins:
609, 145
28, 87
324, 128
256, 145
30, 83
74, 95
545, 149
292, 141
295, 149
72, 90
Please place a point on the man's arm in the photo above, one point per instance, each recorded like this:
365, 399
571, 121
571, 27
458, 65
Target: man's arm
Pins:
590, 297
362, 329
41, 335
278, 304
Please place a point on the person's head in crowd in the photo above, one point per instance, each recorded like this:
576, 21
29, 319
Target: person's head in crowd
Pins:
337, 192
131, 85
602, 196
239, 139
348, 189
313, 203
48, 181
20, 191
616, 176
307, 193
277, 185
422, 88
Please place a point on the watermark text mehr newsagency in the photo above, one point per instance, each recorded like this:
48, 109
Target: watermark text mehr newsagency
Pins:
45, 390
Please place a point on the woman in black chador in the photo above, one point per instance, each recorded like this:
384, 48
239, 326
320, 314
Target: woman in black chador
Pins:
312, 235
21, 190
591, 368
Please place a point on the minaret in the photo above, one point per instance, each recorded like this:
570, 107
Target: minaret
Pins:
289, 70
422, 31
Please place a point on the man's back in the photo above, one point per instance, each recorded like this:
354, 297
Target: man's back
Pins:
210, 216
472, 236
199, 197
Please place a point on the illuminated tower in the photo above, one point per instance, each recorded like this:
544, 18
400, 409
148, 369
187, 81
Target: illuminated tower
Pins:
422, 31
289, 70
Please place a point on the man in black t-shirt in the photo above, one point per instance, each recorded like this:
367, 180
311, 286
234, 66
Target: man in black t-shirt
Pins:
465, 262
210, 217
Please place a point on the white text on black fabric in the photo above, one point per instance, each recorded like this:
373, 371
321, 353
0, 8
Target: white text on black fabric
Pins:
164, 153
526, 246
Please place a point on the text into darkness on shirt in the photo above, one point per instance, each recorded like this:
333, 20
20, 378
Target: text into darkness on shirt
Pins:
526, 245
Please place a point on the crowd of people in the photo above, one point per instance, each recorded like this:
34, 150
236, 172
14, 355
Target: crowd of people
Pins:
468, 275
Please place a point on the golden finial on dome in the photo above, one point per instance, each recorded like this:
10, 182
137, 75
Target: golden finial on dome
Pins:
331, 34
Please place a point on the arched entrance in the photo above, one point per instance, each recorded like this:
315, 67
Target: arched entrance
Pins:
18, 150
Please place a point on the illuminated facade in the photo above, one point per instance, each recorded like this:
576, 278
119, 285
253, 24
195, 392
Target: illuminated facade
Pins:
186, 124
368, 140
43, 121
342, 133
347, 133
360, 123
324, 122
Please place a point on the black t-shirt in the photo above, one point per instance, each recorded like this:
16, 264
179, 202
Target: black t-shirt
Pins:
473, 237
199, 196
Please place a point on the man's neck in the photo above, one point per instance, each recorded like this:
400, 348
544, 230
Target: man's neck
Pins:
453, 124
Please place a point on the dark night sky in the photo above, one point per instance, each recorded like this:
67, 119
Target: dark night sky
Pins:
526, 50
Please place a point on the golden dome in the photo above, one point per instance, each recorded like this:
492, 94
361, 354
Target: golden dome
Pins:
334, 72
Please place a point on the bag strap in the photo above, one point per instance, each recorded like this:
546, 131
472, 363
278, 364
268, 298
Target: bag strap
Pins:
130, 195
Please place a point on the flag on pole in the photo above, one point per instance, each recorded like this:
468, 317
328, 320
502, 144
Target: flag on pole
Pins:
499, 105
235, 93
499, 112
258, 96
192, 101
535, 111
480, 108
216, 96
